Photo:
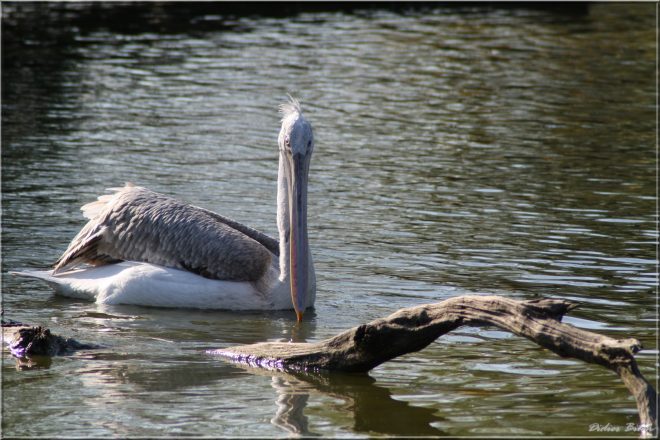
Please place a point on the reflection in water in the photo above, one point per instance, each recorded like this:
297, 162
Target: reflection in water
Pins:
204, 327
291, 403
32, 362
373, 408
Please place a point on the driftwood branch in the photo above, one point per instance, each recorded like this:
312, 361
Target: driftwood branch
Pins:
24, 340
364, 347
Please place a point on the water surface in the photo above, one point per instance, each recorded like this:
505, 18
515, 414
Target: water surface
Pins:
458, 151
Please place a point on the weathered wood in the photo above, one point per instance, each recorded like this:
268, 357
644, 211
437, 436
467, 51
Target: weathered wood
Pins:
411, 329
24, 341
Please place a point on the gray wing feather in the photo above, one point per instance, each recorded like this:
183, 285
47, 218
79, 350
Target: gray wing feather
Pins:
141, 225
268, 242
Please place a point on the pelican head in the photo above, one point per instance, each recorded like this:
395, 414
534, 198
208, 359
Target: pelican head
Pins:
296, 142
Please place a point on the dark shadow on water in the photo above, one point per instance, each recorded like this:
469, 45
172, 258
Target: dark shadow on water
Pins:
57, 19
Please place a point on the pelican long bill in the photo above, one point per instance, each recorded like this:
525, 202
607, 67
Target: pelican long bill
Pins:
299, 244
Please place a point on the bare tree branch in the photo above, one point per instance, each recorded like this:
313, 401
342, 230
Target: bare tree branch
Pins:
411, 329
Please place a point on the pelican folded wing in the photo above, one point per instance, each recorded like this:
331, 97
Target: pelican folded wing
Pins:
137, 224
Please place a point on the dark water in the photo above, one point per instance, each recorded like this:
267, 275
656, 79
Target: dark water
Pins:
459, 151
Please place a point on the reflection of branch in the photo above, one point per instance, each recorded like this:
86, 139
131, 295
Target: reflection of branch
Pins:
374, 410
373, 407
290, 406
364, 347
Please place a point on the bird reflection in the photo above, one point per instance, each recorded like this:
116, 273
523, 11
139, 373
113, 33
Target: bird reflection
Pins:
33, 362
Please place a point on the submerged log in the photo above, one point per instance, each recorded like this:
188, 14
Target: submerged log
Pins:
411, 329
26, 341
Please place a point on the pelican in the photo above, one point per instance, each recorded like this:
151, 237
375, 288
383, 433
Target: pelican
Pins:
145, 248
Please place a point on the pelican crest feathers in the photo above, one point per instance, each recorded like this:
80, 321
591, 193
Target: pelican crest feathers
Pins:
291, 107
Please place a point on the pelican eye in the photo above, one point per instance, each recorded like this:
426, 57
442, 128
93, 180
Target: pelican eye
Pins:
287, 141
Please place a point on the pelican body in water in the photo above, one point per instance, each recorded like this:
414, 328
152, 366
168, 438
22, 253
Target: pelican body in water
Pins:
141, 247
